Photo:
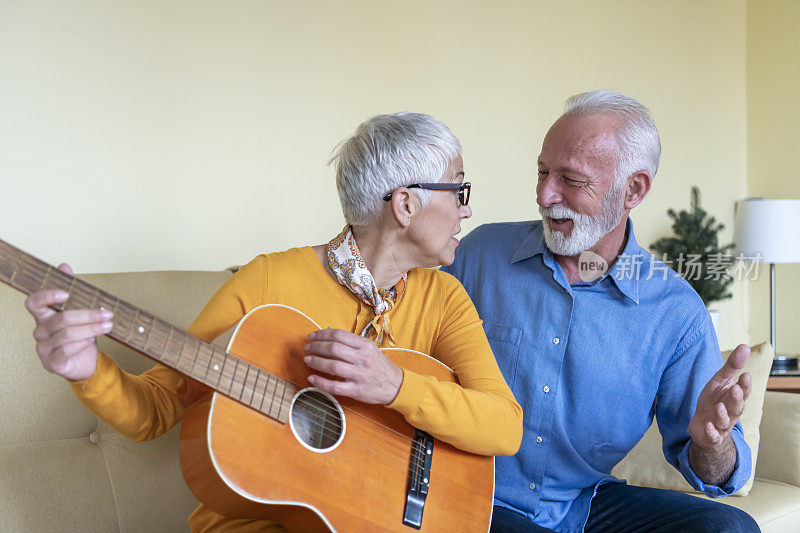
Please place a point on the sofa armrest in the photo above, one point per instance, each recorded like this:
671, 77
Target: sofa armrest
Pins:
779, 451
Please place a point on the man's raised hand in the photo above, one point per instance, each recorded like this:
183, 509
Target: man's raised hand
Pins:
721, 402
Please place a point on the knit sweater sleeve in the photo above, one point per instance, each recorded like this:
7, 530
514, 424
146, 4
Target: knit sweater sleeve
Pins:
143, 407
479, 414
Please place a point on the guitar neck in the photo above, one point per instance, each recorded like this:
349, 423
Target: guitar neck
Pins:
153, 337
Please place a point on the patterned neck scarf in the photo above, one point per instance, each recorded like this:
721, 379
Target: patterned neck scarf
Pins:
346, 264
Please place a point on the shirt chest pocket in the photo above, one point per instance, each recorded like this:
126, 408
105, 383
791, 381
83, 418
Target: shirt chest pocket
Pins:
504, 341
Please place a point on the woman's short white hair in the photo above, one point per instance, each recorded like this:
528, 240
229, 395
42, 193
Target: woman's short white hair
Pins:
387, 152
640, 146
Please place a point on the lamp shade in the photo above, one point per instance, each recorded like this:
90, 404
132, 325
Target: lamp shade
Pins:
769, 228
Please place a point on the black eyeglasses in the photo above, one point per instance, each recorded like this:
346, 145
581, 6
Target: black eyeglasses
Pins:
463, 189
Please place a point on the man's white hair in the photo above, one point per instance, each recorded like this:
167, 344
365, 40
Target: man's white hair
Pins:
640, 146
387, 152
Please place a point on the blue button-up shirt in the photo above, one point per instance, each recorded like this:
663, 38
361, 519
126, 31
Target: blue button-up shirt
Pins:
591, 364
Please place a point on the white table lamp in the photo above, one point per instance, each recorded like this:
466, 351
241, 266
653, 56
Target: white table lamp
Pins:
769, 231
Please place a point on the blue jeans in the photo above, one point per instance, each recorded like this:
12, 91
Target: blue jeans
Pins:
620, 507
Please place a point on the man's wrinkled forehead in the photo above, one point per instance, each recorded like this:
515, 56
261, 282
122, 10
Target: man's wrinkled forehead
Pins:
573, 141
586, 128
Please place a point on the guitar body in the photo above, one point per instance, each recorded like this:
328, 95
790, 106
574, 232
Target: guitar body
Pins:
350, 475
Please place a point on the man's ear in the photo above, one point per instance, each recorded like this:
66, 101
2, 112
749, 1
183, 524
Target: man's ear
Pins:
637, 188
404, 206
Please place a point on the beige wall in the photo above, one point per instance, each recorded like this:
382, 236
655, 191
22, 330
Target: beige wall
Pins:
185, 134
773, 117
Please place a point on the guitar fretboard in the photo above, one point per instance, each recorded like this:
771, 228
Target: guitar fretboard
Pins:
153, 336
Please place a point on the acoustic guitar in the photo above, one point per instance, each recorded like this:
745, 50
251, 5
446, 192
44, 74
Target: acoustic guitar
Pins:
258, 441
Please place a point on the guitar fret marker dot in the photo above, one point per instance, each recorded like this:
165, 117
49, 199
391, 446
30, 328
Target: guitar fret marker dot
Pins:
216, 367
141, 329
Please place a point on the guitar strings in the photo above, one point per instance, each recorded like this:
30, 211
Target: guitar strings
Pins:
77, 296
416, 463
80, 297
393, 440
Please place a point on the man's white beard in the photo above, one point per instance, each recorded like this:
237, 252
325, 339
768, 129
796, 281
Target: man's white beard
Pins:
586, 230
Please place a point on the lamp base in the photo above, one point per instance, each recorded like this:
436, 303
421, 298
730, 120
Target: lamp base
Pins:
785, 364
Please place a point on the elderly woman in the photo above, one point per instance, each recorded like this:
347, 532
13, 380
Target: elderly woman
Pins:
401, 184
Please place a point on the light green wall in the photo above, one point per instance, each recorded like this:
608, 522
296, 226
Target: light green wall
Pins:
773, 119
185, 134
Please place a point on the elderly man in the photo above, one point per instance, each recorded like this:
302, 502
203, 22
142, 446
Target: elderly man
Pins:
594, 353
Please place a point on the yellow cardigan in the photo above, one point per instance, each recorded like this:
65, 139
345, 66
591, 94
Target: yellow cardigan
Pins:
435, 316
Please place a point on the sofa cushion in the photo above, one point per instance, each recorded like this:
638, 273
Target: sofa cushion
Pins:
645, 464
774, 505
779, 453
63, 469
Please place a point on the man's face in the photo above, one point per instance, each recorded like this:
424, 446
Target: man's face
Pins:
575, 192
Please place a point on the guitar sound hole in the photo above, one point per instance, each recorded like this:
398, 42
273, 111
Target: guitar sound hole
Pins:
317, 420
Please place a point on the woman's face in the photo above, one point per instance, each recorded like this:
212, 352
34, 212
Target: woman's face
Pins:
432, 232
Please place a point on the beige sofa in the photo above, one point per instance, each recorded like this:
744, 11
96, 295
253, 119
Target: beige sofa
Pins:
61, 469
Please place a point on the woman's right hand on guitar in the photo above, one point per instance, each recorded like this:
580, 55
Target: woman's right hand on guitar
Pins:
65, 341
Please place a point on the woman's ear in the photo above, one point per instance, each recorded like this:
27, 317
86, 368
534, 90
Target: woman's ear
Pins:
637, 188
404, 206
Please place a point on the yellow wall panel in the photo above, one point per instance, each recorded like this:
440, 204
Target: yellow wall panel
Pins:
773, 119
184, 134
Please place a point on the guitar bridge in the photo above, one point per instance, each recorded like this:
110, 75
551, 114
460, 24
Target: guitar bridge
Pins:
419, 475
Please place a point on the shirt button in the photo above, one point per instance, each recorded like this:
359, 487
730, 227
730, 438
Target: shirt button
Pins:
94, 437
556, 340
532, 486
546, 389
539, 440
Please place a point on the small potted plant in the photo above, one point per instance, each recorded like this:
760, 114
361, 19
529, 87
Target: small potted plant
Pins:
695, 253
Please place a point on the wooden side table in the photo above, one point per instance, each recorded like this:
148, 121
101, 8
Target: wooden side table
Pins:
784, 384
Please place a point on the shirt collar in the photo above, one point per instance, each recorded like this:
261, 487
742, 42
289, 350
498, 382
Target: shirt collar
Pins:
625, 272
627, 268
532, 245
